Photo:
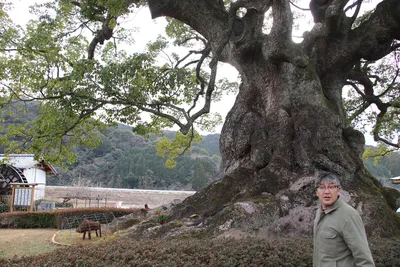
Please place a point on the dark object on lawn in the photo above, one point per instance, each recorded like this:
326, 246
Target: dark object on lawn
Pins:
87, 226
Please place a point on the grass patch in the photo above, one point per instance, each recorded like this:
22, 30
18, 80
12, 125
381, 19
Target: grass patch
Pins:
70, 237
26, 242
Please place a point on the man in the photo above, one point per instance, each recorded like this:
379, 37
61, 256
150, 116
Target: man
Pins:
339, 234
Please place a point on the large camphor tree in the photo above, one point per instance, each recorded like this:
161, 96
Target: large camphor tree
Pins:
290, 117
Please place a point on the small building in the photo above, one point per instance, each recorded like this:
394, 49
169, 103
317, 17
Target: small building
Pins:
23, 169
395, 180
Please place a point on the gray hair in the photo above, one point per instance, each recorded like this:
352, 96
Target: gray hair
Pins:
326, 177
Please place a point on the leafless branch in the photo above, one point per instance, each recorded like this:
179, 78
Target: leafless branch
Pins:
301, 8
200, 79
356, 12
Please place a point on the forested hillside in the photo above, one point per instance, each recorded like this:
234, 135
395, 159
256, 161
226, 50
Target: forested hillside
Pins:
127, 160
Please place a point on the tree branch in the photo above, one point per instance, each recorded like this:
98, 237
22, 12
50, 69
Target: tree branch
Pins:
357, 74
356, 12
205, 54
296, 6
105, 33
203, 16
373, 39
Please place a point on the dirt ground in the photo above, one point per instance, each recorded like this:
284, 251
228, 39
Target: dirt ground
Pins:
26, 242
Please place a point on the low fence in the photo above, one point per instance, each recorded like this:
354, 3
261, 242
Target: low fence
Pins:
72, 222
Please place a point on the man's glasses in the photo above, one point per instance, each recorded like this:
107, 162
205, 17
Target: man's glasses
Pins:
329, 187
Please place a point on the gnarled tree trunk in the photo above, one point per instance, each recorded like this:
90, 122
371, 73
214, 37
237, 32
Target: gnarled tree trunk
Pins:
288, 120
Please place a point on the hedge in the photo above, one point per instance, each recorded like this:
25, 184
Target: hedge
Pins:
52, 219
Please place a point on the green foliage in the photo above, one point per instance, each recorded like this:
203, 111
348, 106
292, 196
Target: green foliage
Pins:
375, 153
41, 220
45, 132
180, 32
381, 162
29, 220
383, 166
162, 217
4, 207
173, 148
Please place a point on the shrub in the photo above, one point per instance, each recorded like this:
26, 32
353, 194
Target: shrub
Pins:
4, 207
28, 220
197, 252
173, 252
161, 218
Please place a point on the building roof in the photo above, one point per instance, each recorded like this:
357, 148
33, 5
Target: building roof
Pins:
27, 161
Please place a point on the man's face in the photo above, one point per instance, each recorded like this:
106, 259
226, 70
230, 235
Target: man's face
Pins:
327, 193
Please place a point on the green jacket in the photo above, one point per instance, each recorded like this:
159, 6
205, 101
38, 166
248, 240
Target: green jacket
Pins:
339, 238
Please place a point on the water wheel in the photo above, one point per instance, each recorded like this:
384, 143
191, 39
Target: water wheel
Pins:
8, 175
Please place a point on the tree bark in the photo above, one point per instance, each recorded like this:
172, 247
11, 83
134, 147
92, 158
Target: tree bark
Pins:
288, 120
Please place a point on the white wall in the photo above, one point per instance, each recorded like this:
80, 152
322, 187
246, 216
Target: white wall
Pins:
39, 191
34, 175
